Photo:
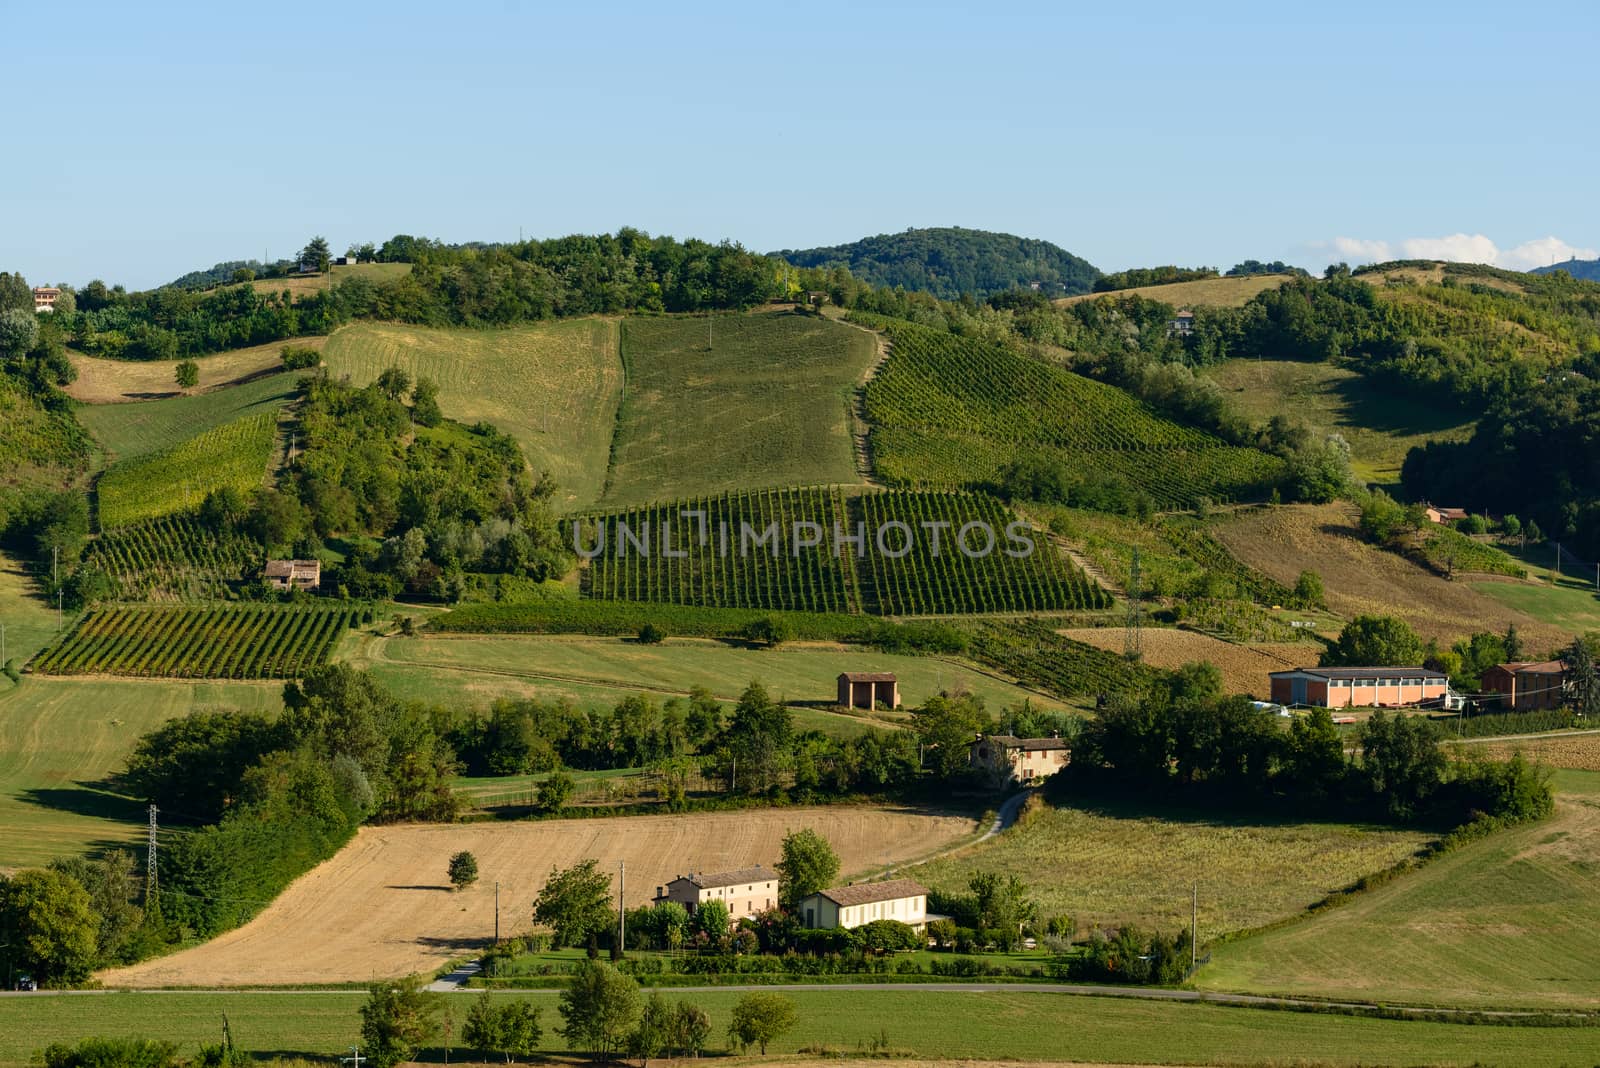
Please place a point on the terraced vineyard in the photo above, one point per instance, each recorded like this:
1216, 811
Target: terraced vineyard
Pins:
178, 479
787, 550
241, 641
172, 558
952, 411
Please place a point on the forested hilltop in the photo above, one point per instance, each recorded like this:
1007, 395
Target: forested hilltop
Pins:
1586, 270
951, 261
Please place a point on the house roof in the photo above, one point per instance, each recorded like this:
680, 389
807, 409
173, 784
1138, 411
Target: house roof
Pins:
290, 568
868, 676
1032, 745
1450, 513
1185, 314
867, 893
1534, 667
711, 880
1362, 672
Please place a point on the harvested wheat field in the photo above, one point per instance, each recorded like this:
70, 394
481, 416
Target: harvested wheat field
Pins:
103, 381
1579, 752
1244, 668
383, 907
1361, 578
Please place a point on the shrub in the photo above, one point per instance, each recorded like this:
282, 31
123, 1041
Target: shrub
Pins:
650, 634
299, 357
463, 870
111, 1053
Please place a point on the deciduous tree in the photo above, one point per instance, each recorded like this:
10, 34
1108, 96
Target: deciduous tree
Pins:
760, 1018
808, 864
575, 903
599, 1009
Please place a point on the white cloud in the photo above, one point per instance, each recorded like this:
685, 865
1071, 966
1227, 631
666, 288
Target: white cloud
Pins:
1458, 248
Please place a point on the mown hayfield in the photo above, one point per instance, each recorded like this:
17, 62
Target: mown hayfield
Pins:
554, 386
1362, 578
796, 671
1233, 292
1013, 1029
61, 738
1380, 424
1244, 669
1506, 921
1578, 752
30, 622
129, 431
1116, 865
178, 478
383, 907
766, 405
103, 381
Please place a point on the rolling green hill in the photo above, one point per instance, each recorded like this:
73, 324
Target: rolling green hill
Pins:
955, 411
767, 404
555, 387
130, 431
950, 261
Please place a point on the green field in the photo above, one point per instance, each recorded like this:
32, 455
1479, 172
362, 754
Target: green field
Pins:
178, 478
554, 386
1031, 1026
60, 738
1380, 423
766, 405
129, 431
30, 623
1225, 292
955, 411
38, 447
470, 671
228, 641
1506, 921
1119, 864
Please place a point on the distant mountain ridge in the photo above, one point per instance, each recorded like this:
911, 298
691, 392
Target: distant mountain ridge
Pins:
1587, 270
949, 261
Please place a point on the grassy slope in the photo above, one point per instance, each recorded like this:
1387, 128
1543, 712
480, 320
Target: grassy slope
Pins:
939, 1025
555, 387
59, 738
767, 405
1116, 865
1215, 292
121, 381
1507, 921
605, 669
131, 430
1361, 578
37, 447
1380, 425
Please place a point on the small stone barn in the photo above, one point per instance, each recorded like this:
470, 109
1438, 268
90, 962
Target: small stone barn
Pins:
868, 689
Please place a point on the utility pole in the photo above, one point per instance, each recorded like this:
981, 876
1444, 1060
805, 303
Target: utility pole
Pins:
2, 645
1194, 928
497, 912
622, 911
1132, 644
710, 317
150, 863
355, 1059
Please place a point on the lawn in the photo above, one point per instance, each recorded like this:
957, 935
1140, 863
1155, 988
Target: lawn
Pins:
1234, 292
1380, 423
128, 431
60, 739
1013, 1025
1121, 864
554, 387
608, 668
1506, 921
768, 404
102, 381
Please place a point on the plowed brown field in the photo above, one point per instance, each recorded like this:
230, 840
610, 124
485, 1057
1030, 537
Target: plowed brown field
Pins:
383, 907
1581, 752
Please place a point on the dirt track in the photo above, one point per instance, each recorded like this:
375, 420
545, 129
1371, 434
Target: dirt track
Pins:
383, 906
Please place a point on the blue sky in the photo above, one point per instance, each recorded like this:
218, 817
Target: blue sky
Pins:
148, 140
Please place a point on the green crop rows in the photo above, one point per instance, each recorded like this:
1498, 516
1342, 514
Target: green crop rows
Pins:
175, 557
922, 582
242, 641
744, 553
1190, 539
178, 479
1034, 654
952, 411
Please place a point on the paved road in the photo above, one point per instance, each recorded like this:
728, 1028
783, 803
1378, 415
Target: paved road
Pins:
1065, 989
